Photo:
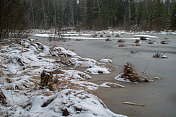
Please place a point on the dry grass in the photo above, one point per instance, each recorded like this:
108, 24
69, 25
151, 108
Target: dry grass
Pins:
78, 40
1, 73
130, 74
137, 41
163, 42
157, 55
121, 41
121, 45
108, 39
137, 44
59, 83
46, 77
133, 52
94, 35
36, 84
8, 80
150, 42
117, 35
143, 38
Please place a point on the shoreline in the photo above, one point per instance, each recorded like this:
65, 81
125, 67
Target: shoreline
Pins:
153, 95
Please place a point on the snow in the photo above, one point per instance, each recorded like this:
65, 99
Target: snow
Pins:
118, 78
97, 70
83, 62
93, 67
164, 56
106, 60
44, 35
107, 85
85, 38
61, 51
75, 34
76, 74
22, 66
157, 78
77, 103
86, 35
147, 36
99, 38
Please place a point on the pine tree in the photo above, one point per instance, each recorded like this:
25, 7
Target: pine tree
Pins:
159, 16
140, 14
132, 12
173, 18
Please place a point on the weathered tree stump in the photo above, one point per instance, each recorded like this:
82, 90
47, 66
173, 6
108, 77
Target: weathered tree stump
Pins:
46, 77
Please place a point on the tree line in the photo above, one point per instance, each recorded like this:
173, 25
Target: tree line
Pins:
102, 14
12, 18
87, 14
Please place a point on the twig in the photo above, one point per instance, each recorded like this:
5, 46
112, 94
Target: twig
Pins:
134, 104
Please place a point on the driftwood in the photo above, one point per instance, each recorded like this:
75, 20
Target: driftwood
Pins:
134, 104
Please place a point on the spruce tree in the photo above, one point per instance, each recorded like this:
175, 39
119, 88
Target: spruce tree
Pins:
173, 18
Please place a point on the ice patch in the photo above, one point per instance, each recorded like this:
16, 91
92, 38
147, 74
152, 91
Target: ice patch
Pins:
97, 70
110, 84
147, 36
106, 61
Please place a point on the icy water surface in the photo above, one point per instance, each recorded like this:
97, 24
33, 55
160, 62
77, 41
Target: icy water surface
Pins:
158, 97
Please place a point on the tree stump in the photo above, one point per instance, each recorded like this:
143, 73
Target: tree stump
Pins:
46, 77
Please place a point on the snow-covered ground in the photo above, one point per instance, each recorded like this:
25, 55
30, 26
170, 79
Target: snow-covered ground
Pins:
68, 93
100, 35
